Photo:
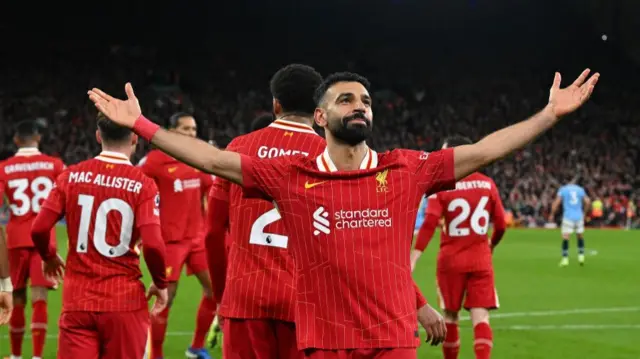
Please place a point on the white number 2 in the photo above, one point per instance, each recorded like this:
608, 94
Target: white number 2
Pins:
40, 187
259, 237
100, 226
479, 213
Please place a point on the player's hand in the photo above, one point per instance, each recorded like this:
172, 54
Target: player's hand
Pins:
415, 255
433, 324
566, 100
53, 269
162, 299
125, 113
6, 305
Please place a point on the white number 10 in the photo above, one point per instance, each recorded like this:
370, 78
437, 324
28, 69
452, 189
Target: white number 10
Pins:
479, 213
100, 226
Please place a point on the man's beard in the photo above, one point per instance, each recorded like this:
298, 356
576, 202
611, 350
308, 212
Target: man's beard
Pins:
351, 134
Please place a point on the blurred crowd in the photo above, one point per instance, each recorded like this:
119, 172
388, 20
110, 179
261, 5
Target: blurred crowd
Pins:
598, 146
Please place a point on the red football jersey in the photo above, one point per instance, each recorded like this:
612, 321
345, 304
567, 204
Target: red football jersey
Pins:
259, 282
467, 211
182, 190
350, 234
105, 201
26, 179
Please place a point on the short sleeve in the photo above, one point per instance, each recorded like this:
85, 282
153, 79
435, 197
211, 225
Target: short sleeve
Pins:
434, 207
498, 207
434, 170
220, 189
560, 192
263, 178
146, 166
56, 199
59, 167
148, 208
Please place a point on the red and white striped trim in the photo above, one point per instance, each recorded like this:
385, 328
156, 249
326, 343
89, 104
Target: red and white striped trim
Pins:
292, 126
480, 341
28, 151
325, 164
113, 157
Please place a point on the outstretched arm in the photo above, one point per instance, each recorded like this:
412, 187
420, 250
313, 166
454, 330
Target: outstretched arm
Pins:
189, 150
470, 158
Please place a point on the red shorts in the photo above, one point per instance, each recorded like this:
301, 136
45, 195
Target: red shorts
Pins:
187, 252
259, 339
477, 288
391, 353
26, 264
93, 335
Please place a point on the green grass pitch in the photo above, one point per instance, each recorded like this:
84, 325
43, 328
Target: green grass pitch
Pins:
546, 312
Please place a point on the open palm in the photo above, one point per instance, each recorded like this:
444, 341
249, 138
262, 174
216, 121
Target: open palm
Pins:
125, 113
569, 99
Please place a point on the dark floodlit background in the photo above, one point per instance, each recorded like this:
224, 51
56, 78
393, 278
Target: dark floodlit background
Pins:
437, 67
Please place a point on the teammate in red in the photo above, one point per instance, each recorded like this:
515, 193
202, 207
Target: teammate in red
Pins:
27, 179
350, 212
259, 293
182, 192
464, 263
109, 205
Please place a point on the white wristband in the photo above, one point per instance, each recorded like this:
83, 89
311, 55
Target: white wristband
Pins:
6, 285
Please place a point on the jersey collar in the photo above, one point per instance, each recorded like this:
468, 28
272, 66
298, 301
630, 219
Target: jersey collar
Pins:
113, 157
292, 126
28, 151
325, 164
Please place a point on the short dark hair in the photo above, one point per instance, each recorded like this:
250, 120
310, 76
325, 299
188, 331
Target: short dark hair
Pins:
293, 86
174, 120
457, 140
27, 129
111, 131
261, 122
334, 79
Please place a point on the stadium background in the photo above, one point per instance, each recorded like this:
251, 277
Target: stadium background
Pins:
438, 68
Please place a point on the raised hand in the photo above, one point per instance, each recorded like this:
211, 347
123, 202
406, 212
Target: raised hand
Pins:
566, 100
125, 113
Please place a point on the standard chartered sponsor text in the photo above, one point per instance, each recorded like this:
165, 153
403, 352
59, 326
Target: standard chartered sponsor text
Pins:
365, 218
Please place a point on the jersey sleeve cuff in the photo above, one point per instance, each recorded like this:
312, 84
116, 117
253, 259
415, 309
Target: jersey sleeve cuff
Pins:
448, 171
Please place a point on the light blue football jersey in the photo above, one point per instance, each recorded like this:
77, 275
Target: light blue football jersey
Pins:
572, 201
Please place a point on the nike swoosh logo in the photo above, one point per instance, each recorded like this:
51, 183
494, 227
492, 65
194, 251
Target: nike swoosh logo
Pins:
308, 185
172, 169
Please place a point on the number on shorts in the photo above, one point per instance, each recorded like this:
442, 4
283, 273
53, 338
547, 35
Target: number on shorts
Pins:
86, 202
479, 213
258, 235
40, 188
